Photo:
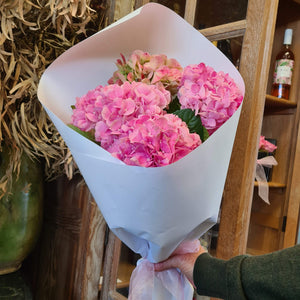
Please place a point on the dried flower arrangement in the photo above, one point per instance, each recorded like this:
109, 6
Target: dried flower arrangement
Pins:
33, 33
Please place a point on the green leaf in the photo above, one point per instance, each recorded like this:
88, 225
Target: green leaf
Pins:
73, 106
87, 134
193, 122
174, 105
284, 64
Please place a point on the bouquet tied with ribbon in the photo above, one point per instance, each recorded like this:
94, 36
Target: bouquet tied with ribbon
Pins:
157, 184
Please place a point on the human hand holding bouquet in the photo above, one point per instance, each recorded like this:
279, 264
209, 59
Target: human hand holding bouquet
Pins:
156, 173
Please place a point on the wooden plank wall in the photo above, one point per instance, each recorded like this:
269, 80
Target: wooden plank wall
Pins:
71, 244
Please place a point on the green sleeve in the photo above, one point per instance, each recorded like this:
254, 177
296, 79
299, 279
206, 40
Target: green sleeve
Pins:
270, 276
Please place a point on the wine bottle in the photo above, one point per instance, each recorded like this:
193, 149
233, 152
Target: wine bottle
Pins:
282, 77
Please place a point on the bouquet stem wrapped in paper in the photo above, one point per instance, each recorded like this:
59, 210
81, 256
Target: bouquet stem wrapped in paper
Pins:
152, 210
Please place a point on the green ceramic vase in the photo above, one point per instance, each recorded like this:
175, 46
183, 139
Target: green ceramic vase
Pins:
20, 213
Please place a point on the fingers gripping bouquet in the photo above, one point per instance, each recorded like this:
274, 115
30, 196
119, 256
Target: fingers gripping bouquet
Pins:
152, 138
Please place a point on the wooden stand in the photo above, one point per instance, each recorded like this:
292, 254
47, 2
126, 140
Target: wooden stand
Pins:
275, 226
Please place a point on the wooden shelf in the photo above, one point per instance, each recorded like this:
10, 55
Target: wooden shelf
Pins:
124, 273
279, 102
266, 220
272, 184
275, 105
254, 252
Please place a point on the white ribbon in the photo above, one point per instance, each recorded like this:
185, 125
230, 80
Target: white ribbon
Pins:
146, 284
260, 176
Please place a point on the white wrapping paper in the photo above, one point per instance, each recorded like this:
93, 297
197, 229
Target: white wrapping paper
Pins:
152, 210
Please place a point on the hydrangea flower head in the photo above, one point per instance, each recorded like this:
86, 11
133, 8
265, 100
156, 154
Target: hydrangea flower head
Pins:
107, 108
213, 95
85, 114
153, 141
150, 69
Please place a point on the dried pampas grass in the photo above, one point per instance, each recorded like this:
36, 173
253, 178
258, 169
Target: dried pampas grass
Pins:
33, 33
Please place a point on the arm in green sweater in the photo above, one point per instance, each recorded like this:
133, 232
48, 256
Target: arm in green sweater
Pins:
270, 276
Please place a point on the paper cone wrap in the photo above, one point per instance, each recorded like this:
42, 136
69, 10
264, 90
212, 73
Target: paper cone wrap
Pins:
152, 210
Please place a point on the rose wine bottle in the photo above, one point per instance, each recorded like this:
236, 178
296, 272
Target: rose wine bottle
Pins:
282, 77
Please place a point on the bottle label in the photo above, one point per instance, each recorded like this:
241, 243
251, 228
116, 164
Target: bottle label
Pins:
283, 71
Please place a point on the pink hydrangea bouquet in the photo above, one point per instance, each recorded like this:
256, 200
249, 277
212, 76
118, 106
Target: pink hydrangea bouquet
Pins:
154, 112
160, 127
